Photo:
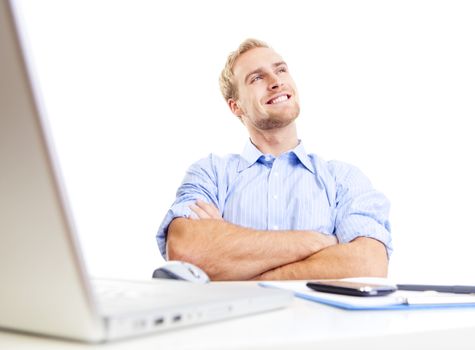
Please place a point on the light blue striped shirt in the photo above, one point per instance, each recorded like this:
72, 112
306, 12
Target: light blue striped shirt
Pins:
295, 191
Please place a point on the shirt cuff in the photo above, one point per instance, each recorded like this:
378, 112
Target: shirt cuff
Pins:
181, 210
356, 226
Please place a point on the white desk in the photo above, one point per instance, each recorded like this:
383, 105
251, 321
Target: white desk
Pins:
303, 325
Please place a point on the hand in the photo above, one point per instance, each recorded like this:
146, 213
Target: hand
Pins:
204, 210
286, 272
329, 240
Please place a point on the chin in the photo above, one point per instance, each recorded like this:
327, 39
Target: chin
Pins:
288, 114
276, 122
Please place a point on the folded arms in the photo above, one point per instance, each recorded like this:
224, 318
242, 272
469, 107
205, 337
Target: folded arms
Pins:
230, 252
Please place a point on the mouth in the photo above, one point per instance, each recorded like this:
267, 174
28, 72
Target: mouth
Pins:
279, 99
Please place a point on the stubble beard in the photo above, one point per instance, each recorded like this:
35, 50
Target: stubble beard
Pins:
278, 120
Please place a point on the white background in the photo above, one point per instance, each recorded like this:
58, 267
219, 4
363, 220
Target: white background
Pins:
131, 91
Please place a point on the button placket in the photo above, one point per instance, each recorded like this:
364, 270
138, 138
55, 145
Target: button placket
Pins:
274, 197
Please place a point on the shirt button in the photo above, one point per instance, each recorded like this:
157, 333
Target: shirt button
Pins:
275, 227
276, 174
275, 196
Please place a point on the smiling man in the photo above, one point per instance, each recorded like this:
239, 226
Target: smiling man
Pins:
274, 211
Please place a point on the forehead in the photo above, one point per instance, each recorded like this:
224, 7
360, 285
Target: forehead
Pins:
258, 58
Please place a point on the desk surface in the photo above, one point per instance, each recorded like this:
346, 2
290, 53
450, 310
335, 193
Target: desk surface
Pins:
303, 325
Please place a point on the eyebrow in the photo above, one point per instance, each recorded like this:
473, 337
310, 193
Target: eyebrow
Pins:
260, 69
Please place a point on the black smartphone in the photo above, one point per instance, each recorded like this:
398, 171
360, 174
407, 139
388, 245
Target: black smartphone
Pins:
351, 288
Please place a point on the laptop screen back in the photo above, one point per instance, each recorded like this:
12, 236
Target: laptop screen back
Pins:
43, 279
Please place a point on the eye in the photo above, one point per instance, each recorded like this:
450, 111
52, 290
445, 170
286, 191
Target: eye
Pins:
282, 70
255, 78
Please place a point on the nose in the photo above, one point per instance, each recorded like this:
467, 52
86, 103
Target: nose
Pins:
274, 82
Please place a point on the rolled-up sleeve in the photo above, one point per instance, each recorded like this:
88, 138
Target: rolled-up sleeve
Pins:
361, 210
198, 183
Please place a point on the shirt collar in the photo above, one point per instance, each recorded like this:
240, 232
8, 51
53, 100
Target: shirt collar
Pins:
300, 153
251, 154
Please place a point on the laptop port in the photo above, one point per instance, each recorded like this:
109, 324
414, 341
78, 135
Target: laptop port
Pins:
176, 318
158, 321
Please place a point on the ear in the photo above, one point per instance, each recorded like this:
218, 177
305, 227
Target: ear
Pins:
234, 107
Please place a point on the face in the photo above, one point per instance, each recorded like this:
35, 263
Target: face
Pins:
267, 95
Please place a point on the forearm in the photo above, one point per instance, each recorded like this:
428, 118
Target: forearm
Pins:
230, 252
363, 257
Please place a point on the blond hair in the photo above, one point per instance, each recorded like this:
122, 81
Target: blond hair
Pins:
226, 83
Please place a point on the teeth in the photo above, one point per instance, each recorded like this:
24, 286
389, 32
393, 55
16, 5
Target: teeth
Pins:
279, 99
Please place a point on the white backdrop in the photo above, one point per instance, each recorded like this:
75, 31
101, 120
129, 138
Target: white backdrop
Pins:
132, 96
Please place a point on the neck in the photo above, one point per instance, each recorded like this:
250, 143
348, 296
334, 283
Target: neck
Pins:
275, 141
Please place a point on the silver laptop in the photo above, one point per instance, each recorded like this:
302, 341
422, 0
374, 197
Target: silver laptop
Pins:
44, 286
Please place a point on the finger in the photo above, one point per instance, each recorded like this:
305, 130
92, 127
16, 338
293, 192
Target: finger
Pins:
216, 212
193, 216
210, 209
202, 214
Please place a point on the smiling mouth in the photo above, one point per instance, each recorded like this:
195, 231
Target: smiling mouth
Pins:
278, 99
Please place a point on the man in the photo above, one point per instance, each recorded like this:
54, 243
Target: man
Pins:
274, 212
